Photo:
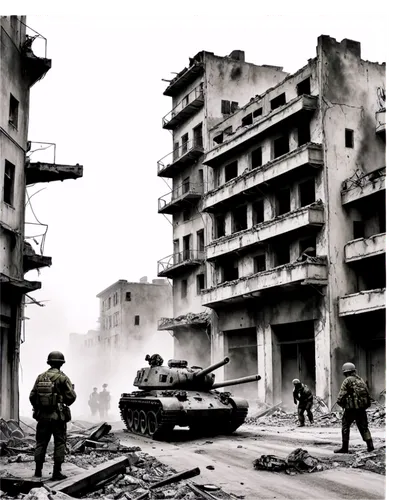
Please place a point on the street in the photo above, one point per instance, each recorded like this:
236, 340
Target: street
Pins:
232, 456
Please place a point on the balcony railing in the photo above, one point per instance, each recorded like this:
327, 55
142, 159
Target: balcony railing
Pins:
362, 248
173, 201
362, 302
362, 185
169, 265
187, 107
187, 152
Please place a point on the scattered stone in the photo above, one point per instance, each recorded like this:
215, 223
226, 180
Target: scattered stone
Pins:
210, 467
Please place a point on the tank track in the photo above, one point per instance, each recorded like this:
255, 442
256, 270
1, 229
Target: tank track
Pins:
146, 417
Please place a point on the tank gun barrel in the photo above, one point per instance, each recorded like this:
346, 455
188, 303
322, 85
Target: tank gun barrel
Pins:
236, 381
211, 368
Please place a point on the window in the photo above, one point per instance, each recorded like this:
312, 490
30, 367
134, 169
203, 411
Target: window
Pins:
186, 246
185, 101
201, 177
185, 140
308, 246
256, 158
200, 283
128, 296
231, 171
198, 135
219, 226
137, 320
175, 153
349, 138
259, 263
303, 134
282, 254
183, 289
116, 321
304, 87
13, 115
186, 213
225, 107
186, 185
228, 130
9, 177
200, 240
258, 212
307, 192
281, 146
109, 302
219, 138
283, 201
230, 271
247, 120
257, 112
234, 106
280, 100
239, 219
358, 229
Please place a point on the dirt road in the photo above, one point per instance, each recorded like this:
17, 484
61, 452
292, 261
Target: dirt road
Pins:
232, 459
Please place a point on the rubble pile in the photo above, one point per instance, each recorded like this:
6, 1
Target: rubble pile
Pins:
186, 319
374, 461
13, 439
297, 462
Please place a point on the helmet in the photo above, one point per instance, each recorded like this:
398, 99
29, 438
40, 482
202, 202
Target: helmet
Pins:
95, 388
296, 381
105, 385
55, 356
348, 367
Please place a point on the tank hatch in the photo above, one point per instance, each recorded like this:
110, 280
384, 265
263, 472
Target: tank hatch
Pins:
177, 363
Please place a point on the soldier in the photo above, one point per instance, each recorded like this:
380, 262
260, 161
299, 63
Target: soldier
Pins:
304, 396
154, 360
104, 402
354, 398
51, 397
94, 402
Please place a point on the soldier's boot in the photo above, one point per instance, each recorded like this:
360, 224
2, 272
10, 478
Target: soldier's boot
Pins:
370, 445
344, 448
38, 469
57, 474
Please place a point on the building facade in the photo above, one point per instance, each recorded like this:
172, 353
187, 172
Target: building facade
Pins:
294, 213
209, 90
20, 69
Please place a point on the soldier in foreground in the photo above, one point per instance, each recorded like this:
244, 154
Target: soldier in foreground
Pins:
354, 398
304, 396
94, 402
51, 397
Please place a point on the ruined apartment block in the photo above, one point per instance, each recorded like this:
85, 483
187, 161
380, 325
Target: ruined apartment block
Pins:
20, 69
210, 90
295, 228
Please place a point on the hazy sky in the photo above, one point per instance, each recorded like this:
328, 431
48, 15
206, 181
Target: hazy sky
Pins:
102, 104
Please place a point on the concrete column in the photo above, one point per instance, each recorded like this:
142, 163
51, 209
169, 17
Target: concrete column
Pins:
217, 346
293, 139
294, 197
228, 223
322, 352
249, 215
261, 353
273, 369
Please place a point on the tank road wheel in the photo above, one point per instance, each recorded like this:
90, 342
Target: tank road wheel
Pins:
136, 427
152, 423
129, 418
142, 422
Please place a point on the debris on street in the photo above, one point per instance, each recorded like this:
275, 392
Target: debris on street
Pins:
298, 461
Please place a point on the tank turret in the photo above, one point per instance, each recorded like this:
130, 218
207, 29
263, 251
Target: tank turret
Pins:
181, 395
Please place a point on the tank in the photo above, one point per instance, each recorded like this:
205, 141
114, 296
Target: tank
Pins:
179, 395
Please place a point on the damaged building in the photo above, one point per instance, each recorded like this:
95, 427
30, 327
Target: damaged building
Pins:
294, 222
20, 69
209, 90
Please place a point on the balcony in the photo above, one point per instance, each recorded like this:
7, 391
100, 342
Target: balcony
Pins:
173, 264
311, 215
380, 117
299, 105
313, 271
201, 320
186, 108
33, 260
306, 157
49, 172
34, 67
358, 187
180, 197
363, 248
9, 285
188, 153
184, 78
362, 302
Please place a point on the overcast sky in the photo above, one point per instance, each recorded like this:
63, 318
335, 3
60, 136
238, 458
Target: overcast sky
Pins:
102, 104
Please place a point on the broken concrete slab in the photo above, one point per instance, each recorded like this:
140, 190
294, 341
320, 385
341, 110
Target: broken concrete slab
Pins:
186, 474
14, 485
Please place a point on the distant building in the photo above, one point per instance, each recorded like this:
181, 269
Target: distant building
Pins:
20, 69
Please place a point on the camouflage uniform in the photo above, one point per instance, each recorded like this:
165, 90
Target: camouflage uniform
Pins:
354, 398
305, 398
52, 422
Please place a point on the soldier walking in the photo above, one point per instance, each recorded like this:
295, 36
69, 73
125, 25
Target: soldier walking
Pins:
303, 395
51, 397
354, 398
104, 402
94, 402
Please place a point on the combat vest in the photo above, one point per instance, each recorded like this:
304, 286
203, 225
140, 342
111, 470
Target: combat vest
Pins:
357, 396
47, 397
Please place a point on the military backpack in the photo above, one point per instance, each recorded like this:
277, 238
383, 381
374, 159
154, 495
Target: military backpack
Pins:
47, 397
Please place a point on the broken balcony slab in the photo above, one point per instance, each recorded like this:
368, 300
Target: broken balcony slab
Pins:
187, 153
174, 264
180, 197
308, 272
190, 319
14, 285
301, 104
312, 215
309, 155
362, 248
49, 172
33, 260
184, 78
34, 67
380, 117
362, 302
185, 109
358, 188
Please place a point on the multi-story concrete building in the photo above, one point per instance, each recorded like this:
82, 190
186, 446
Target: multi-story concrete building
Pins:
209, 90
20, 69
295, 260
